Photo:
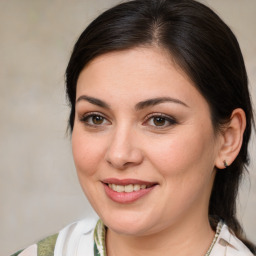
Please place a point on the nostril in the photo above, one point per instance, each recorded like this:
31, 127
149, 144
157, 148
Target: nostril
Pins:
122, 152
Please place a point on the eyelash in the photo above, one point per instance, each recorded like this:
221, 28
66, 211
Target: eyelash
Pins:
165, 118
85, 119
171, 121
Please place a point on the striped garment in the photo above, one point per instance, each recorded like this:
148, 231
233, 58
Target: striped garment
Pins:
87, 238
82, 238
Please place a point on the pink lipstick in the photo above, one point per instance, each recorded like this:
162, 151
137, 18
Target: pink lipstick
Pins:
127, 190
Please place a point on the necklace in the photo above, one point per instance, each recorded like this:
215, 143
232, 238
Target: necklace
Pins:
101, 229
218, 229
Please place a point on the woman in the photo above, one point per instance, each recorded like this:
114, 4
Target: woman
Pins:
160, 122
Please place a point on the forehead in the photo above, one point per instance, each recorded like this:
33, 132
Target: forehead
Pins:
137, 73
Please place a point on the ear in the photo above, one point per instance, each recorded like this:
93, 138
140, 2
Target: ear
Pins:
231, 139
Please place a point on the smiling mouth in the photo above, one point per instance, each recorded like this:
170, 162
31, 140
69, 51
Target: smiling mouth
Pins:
128, 188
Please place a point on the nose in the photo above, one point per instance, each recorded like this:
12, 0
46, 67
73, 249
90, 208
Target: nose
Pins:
123, 150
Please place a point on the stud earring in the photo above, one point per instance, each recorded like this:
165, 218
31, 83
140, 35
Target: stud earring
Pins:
225, 163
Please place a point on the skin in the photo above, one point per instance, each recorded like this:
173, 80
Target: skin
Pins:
127, 143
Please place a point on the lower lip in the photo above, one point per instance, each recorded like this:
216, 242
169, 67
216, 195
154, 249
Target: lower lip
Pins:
126, 197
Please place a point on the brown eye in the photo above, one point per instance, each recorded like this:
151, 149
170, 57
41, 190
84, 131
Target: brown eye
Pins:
97, 119
94, 120
159, 121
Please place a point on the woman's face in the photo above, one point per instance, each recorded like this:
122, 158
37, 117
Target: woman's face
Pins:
143, 142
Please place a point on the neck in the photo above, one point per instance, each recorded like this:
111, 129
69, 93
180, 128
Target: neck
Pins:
180, 239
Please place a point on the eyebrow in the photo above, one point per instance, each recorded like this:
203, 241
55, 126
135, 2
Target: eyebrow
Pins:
156, 101
139, 106
93, 101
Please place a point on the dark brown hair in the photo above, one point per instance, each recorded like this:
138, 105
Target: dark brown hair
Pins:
204, 47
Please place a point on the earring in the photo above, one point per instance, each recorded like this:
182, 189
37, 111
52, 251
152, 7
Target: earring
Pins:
225, 163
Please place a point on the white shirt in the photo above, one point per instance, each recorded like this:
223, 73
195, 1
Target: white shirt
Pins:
78, 239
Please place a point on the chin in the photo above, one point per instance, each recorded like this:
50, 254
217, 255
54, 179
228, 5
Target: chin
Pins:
134, 225
132, 229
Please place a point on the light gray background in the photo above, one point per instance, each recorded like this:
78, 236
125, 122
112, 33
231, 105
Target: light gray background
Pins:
39, 191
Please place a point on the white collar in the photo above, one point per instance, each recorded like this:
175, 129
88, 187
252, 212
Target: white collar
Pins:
228, 244
79, 238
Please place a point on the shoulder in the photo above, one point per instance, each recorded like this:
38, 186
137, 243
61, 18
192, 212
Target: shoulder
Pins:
228, 244
76, 238
44, 247
67, 239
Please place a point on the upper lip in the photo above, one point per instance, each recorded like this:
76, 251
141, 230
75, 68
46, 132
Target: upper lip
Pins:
127, 182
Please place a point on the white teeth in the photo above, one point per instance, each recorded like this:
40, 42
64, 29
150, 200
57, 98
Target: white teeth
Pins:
126, 188
120, 188
136, 187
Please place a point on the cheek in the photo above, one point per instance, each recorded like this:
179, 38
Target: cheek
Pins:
86, 153
184, 153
